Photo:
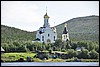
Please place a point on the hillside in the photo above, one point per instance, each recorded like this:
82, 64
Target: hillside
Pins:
11, 34
81, 28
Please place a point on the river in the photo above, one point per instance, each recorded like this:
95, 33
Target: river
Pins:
50, 64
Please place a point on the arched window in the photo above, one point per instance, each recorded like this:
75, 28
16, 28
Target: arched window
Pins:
47, 20
48, 35
66, 36
48, 40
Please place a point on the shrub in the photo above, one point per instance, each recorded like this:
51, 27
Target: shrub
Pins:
94, 54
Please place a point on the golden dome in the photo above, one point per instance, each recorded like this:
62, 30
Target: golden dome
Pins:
46, 16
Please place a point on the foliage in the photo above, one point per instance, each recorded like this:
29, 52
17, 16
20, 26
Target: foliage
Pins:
42, 55
83, 54
71, 53
93, 54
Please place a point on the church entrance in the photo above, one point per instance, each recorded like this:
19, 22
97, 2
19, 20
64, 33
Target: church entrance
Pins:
48, 40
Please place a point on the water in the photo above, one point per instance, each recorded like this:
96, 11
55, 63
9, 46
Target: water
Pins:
50, 64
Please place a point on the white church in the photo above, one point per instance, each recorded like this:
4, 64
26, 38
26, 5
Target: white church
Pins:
47, 34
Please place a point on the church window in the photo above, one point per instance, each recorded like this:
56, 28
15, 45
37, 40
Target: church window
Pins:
48, 35
47, 20
48, 40
42, 38
66, 35
54, 38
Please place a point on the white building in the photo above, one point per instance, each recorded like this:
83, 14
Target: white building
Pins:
2, 50
65, 35
46, 33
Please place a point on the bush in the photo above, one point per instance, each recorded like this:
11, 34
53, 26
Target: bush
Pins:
83, 54
94, 54
42, 55
72, 53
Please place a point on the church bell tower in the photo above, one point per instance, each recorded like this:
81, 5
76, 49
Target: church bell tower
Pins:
65, 35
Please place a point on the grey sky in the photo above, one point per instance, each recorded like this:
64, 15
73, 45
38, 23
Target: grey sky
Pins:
28, 15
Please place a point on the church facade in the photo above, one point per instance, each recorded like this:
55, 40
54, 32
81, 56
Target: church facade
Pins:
46, 33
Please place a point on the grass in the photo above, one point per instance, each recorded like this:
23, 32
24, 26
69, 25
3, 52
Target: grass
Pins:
15, 56
8, 57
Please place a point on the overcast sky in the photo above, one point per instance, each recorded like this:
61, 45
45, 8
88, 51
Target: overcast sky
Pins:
28, 15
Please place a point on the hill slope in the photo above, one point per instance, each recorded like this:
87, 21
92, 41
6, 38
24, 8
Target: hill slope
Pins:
11, 34
81, 28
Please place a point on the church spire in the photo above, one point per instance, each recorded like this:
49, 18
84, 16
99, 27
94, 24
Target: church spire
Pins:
46, 16
46, 20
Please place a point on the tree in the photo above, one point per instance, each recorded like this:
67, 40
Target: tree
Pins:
71, 53
5, 47
97, 48
12, 48
66, 45
37, 45
74, 46
91, 46
57, 45
83, 54
94, 54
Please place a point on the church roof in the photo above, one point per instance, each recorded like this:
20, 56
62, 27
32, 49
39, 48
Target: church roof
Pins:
37, 39
65, 31
46, 16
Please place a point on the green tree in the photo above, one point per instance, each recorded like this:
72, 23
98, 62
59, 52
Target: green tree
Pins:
71, 53
93, 54
91, 46
83, 54
97, 48
74, 46
37, 45
5, 47
66, 45
57, 45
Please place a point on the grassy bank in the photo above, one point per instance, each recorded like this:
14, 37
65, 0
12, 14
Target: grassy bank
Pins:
8, 57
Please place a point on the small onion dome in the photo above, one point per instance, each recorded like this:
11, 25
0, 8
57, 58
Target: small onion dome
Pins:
46, 16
